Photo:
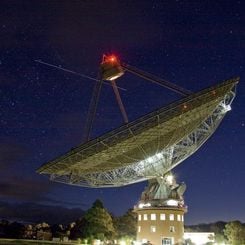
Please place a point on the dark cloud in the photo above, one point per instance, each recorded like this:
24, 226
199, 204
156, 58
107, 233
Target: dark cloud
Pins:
31, 212
23, 188
47, 200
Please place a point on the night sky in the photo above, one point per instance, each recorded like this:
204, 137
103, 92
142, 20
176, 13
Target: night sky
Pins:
194, 44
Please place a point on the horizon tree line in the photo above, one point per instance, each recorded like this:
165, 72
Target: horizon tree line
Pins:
98, 223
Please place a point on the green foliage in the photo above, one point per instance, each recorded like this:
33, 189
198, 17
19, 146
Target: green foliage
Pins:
126, 225
57, 231
235, 233
217, 228
98, 204
220, 238
189, 242
96, 224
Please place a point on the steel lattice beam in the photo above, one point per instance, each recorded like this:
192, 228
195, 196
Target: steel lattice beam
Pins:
191, 129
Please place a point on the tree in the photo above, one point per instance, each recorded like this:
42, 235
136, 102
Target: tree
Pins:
58, 231
3, 228
96, 224
235, 232
218, 229
15, 230
189, 242
220, 238
126, 225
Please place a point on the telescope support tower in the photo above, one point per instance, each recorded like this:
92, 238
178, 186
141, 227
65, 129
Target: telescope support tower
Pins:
161, 212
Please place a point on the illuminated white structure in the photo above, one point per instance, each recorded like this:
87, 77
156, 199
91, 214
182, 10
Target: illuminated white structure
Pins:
200, 238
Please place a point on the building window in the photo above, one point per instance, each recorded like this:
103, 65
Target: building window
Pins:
171, 229
145, 216
167, 241
162, 217
153, 228
182, 219
139, 217
179, 217
171, 217
139, 228
153, 217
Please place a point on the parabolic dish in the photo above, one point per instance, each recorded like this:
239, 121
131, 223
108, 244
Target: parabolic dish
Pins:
148, 147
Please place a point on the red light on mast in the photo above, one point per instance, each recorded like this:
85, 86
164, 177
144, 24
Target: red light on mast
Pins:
111, 68
112, 58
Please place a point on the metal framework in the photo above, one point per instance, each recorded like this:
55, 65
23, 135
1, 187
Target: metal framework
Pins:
148, 147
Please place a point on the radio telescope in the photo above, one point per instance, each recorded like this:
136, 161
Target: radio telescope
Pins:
149, 147
146, 149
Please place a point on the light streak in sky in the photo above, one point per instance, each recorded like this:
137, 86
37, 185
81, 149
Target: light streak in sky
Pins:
75, 73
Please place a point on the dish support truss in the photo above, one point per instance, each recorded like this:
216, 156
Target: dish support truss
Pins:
157, 165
